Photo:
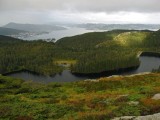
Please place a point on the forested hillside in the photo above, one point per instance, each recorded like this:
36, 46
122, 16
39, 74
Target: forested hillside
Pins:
34, 27
118, 49
31, 55
87, 53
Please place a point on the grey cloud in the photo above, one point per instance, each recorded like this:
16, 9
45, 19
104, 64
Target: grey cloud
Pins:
82, 5
106, 11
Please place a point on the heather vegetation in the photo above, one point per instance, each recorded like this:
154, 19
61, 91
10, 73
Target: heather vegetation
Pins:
102, 99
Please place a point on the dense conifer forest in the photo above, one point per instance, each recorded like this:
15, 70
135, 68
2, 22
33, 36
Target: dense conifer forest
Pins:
87, 53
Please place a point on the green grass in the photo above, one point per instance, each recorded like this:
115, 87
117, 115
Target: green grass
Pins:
130, 39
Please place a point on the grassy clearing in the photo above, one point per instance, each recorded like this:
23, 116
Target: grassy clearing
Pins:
65, 63
131, 38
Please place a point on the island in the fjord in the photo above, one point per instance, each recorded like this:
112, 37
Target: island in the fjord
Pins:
91, 53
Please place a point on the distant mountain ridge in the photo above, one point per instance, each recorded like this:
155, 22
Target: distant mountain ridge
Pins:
10, 31
94, 26
34, 27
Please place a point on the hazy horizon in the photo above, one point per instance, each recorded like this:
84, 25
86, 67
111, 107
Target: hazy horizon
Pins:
80, 11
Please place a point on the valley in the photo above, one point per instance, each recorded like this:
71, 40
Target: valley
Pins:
64, 66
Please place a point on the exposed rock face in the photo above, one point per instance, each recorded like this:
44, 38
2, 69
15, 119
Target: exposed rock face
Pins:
148, 117
156, 96
133, 103
125, 118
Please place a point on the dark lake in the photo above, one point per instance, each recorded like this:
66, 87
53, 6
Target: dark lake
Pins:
147, 65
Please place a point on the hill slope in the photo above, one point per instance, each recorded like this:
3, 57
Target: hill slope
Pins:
102, 99
104, 51
91, 52
35, 56
33, 27
10, 31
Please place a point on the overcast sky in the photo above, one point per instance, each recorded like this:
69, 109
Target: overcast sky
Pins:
80, 11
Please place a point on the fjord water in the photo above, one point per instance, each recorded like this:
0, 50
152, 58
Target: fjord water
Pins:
60, 33
70, 31
147, 65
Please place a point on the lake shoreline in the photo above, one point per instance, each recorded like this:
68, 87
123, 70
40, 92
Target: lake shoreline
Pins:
70, 76
22, 70
150, 54
107, 73
119, 70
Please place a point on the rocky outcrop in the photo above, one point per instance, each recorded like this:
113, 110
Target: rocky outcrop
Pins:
147, 117
156, 97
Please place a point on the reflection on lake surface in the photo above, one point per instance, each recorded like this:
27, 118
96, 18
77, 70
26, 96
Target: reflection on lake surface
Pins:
147, 65
65, 76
